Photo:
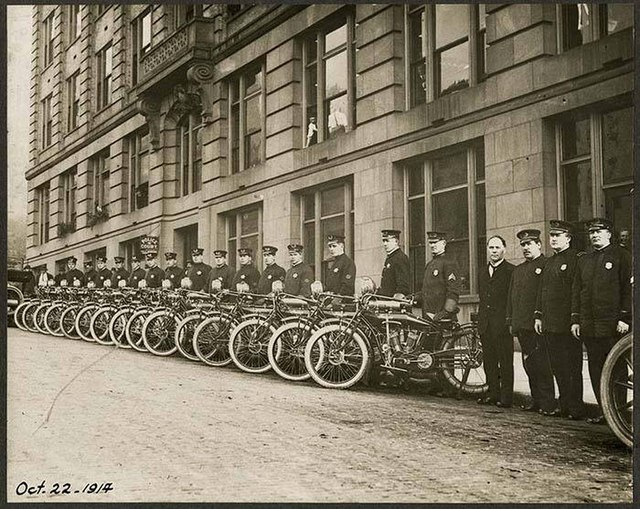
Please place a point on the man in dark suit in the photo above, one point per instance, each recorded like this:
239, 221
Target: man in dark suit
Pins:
298, 279
74, 276
247, 273
441, 282
497, 342
395, 272
341, 275
220, 272
271, 272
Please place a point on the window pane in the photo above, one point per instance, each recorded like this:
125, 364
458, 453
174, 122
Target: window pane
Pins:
232, 247
576, 139
452, 23
337, 118
459, 251
619, 205
450, 171
450, 214
332, 201
312, 85
249, 222
105, 188
482, 15
336, 75
146, 30
454, 69
479, 154
231, 222
336, 38
416, 21
253, 82
144, 168
481, 224
619, 17
576, 28
417, 261
253, 149
309, 243
108, 60
418, 76
617, 143
309, 206
417, 225
311, 48
416, 180
332, 226
254, 114
251, 242
578, 204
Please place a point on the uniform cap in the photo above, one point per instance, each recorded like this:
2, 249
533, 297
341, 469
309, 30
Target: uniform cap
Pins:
88, 264
391, 233
118, 259
219, 252
245, 251
72, 259
198, 251
102, 259
296, 248
269, 250
560, 226
135, 258
527, 235
170, 256
436, 236
599, 223
150, 256
335, 238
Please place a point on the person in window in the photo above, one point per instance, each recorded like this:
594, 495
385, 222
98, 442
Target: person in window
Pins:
74, 276
341, 275
553, 320
137, 272
89, 272
172, 272
312, 132
337, 121
521, 304
119, 273
220, 272
272, 271
155, 274
441, 282
103, 273
199, 271
601, 303
497, 342
396, 270
44, 276
247, 273
299, 277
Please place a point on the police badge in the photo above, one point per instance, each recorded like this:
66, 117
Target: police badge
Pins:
608, 265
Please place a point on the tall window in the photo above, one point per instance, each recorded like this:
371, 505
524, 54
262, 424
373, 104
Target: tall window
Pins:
73, 102
445, 49
616, 17
446, 193
47, 122
47, 40
326, 211
244, 229
139, 169
42, 213
186, 239
105, 70
247, 114
74, 21
329, 77
140, 42
585, 22
595, 169
189, 133
129, 249
69, 188
100, 179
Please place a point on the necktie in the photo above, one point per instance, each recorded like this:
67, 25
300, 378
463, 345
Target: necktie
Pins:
491, 270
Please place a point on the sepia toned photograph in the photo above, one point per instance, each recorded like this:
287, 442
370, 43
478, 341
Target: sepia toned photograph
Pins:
320, 253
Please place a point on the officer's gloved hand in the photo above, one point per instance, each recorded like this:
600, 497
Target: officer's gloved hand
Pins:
440, 315
398, 296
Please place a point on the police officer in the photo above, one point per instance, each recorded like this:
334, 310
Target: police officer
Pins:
521, 304
155, 274
601, 304
102, 274
221, 271
396, 270
172, 272
137, 272
297, 280
272, 271
119, 273
341, 275
89, 273
247, 273
74, 276
199, 271
553, 320
441, 282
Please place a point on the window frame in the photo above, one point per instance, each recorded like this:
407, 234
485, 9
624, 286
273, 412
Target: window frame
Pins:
185, 13
69, 194
74, 22
189, 154
136, 152
104, 61
73, 101
100, 174
234, 242
47, 40
138, 47
47, 122
43, 205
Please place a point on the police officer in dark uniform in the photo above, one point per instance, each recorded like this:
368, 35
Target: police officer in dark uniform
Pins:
441, 282
341, 274
119, 273
137, 272
89, 273
199, 271
272, 271
521, 304
601, 304
396, 270
220, 272
172, 272
74, 276
247, 273
553, 320
298, 279
155, 274
102, 274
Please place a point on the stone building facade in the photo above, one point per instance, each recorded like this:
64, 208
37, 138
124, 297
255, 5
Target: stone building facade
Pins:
192, 123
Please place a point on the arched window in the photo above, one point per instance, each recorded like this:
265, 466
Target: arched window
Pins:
189, 138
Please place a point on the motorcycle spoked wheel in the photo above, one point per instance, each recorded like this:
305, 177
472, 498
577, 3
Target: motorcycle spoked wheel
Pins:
286, 350
248, 345
461, 367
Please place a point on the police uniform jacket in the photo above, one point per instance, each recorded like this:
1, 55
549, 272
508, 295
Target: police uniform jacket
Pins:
154, 277
493, 291
223, 274
341, 276
199, 273
523, 292
90, 275
57, 278
270, 274
119, 275
136, 276
601, 292
440, 282
247, 274
553, 302
174, 274
298, 279
74, 275
101, 276
395, 274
